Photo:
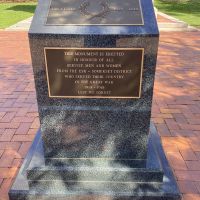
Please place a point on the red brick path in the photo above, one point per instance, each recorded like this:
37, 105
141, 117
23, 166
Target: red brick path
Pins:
18, 110
176, 107
162, 19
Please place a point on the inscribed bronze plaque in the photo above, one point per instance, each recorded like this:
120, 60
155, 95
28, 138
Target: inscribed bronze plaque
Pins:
94, 72
95, 12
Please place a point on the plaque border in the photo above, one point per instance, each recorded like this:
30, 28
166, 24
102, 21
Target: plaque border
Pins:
141, 11
94, 97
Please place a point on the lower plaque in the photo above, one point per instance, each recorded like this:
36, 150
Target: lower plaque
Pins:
94, 72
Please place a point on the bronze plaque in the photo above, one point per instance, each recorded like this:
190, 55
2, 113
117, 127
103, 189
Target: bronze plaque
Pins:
94, 72
95, 12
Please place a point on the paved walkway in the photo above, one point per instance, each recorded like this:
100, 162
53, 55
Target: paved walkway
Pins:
162, 19
18, 110
23, 25
176, 106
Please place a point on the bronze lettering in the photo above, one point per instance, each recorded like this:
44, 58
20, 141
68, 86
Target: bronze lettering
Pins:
112, 73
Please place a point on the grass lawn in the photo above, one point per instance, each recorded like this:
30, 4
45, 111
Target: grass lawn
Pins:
188, 11
11, 13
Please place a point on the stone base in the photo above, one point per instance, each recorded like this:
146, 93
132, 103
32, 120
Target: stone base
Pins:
95, 179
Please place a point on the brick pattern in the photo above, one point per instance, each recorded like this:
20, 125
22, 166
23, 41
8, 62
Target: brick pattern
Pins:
176, 107
18, 109
162, 19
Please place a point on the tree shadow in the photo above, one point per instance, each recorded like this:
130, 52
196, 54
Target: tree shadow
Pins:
24, 8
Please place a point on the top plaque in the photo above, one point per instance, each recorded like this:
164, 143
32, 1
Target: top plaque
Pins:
95, 12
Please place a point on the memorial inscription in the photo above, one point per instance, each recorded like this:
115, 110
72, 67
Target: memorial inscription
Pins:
94, 73
95, 12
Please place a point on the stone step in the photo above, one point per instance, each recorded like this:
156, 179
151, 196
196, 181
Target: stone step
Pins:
186, 29
60, 190
95, 174
172, 25
32, 195
89, 162
62, 187
168, 191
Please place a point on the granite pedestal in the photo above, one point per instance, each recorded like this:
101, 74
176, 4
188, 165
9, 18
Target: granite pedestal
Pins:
39, 178
103, 126
95, 144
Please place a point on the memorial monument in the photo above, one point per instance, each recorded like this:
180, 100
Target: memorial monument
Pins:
94, 65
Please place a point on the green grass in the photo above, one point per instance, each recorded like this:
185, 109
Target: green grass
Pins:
11, 13
188, 11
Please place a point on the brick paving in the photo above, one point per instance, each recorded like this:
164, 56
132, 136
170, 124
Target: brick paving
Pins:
18, 110
162, 19
176, 106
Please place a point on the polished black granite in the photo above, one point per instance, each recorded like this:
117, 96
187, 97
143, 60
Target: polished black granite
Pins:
148, 29
94, 128
92, 149
95, 181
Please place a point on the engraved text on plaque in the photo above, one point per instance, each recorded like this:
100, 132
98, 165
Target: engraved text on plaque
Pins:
94, 72
95, 12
